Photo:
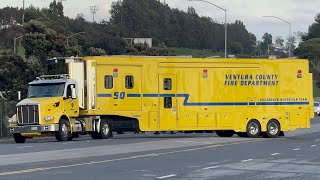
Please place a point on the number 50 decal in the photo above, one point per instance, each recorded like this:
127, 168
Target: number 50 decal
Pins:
120, 95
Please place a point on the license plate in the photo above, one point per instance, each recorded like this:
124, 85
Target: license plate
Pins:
34, 128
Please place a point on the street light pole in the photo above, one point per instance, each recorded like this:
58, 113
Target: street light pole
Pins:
73, 35
225, 24
290, 41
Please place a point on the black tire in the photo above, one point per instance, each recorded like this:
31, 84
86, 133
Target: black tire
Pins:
94, 135
105, 131
281, 134
225, 133
264, 134
64, 133
242, 134
273, 128
18, 138
253, 128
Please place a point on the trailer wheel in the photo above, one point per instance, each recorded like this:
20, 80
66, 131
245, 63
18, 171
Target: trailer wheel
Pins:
273, 128
225, 133
18, 138
253, 128
64, 133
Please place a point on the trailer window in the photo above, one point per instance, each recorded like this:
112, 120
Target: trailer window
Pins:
129, 82
167, 85
108, 82
167, 102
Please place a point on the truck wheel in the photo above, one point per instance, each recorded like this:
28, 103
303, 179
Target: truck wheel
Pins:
94, 135
18, 138
273, 128
253, 128
64, 133
225, 133
105, 130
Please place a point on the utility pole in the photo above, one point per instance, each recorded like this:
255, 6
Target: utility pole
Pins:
1, 118
23, 13
94, 10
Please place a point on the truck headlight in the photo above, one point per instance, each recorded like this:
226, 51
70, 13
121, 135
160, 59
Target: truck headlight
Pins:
12, 120
48, 118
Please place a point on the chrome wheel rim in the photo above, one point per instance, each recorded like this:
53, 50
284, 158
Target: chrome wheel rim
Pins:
273, 128
253, 128
105, 129
64, 130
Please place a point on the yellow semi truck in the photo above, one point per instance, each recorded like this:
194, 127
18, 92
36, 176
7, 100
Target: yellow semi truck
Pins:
100, 95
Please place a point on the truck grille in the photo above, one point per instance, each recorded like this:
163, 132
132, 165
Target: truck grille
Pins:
28, 114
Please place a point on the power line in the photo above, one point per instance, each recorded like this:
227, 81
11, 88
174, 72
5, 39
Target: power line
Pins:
94, 10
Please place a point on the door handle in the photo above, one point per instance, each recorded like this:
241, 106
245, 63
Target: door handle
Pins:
174, 109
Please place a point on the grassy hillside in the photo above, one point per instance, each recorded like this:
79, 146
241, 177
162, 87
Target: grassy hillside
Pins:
197, 53
316, 91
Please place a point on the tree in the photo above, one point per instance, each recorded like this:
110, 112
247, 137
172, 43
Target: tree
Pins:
267, 38
266, 43
299, 36
292, 41
314, 29
310, 49
235, 48
44, 43
55, 10
279, 41
97, 51
15, 75
143, 49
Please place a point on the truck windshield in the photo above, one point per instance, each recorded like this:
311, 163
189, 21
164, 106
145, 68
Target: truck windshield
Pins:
46, 90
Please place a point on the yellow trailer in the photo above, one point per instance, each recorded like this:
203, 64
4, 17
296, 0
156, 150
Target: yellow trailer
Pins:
249, 97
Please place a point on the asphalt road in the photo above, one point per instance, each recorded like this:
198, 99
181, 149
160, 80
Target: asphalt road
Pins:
165, 156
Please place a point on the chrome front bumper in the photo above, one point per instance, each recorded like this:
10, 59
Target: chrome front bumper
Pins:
34, 128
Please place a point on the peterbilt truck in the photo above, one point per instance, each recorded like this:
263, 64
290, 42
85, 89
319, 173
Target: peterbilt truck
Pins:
104, 94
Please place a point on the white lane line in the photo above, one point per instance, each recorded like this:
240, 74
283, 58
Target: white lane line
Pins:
274, 154
25, 147
196, 166
184, 141
317, 140
297, 149
69, 143
167, 176
211, 167
313, 145
246, 160
142, 170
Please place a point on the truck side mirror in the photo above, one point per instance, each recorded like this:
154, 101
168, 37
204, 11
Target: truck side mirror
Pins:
73, 93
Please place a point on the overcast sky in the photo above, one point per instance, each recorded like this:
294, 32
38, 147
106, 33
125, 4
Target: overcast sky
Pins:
300, 13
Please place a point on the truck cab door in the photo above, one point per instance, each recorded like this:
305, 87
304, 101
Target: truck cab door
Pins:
71, 105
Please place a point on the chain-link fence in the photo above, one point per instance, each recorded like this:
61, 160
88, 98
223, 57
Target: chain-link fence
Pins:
7, 110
